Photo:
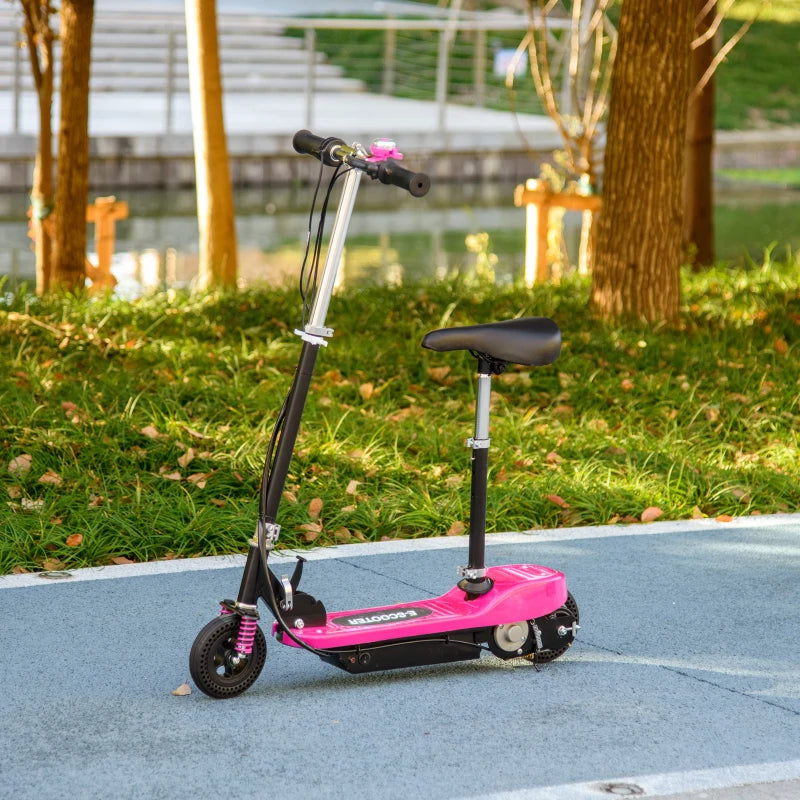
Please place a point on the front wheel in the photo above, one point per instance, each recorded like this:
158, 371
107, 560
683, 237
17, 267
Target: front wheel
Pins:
214, 664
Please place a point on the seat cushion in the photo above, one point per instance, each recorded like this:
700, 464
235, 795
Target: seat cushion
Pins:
530, 341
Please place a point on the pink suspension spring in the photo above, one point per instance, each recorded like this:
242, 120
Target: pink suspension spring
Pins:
247, 632
223, 611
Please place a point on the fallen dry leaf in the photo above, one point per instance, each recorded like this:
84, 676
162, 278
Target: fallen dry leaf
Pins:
31, 505
366, 390
439, 374
553, 458
559, 501
196, 434
342, 535
311, 531
186, 458
199, 479
218, 503
315, 507
456, 529
697, 513
52, 565
14, 492
352, 487
651, 513
626, 384
150, 432
51, 477
96, 500
781, 347
21, 464
724, 518
18, 570
121, 560
74, 540
172, 476
182, 690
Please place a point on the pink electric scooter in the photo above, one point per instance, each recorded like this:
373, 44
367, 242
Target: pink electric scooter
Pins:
521, 610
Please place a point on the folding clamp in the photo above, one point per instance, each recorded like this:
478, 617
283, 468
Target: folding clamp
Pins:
271, 532
478, 444
312, 338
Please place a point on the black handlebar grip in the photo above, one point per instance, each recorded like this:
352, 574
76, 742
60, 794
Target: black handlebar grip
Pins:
417, 183
320, 147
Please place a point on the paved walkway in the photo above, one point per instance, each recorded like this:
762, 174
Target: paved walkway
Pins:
684, 680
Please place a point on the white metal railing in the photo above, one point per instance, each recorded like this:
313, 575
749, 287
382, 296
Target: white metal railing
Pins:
445, 60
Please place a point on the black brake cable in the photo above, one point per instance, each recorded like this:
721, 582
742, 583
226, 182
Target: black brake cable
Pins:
308, 284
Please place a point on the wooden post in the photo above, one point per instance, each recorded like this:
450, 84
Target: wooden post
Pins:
538, 199
104, 214
389, 54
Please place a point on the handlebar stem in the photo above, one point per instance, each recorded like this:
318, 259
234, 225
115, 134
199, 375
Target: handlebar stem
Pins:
316, 325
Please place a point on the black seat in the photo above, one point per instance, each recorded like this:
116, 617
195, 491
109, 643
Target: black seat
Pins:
531, 341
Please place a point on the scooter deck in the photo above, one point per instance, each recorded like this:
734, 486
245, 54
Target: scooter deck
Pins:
520, 592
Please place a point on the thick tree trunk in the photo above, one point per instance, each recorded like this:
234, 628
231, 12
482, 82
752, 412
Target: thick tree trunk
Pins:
72, 179
698, 211
215, 214
638, 256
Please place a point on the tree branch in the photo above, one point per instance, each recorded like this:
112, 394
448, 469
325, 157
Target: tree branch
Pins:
720, 57
712, 28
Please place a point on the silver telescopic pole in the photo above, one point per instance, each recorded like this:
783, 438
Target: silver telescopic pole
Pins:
316, 324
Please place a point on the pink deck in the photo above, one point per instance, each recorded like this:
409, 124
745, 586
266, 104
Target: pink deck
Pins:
520, 592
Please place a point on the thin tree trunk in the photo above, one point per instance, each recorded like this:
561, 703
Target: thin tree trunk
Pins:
42, 195
637, 265
72, 180
215, 214
698, 212
39, 37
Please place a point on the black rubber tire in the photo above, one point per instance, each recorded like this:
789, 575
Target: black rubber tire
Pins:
209, 659
570, 608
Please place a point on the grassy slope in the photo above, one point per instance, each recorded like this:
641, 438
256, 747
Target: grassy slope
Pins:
705, 418
758, 84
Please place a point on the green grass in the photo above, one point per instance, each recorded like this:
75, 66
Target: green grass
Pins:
110, 399
785, 176
758, 84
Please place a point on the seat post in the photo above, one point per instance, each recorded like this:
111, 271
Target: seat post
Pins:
475, 581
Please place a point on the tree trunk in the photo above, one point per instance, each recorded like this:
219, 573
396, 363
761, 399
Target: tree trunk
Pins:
698, 211
72, 178
638, 256
215, 215
39, 37
42, 194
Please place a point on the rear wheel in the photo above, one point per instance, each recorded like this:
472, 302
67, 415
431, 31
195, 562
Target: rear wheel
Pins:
216, 667
569, 611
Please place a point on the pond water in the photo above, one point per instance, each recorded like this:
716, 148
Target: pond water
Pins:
393, 237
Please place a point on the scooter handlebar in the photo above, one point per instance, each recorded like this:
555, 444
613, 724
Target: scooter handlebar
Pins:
388, 172
391, 173
320, 147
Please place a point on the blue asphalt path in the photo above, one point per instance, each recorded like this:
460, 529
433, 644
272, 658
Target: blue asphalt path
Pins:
685, 677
